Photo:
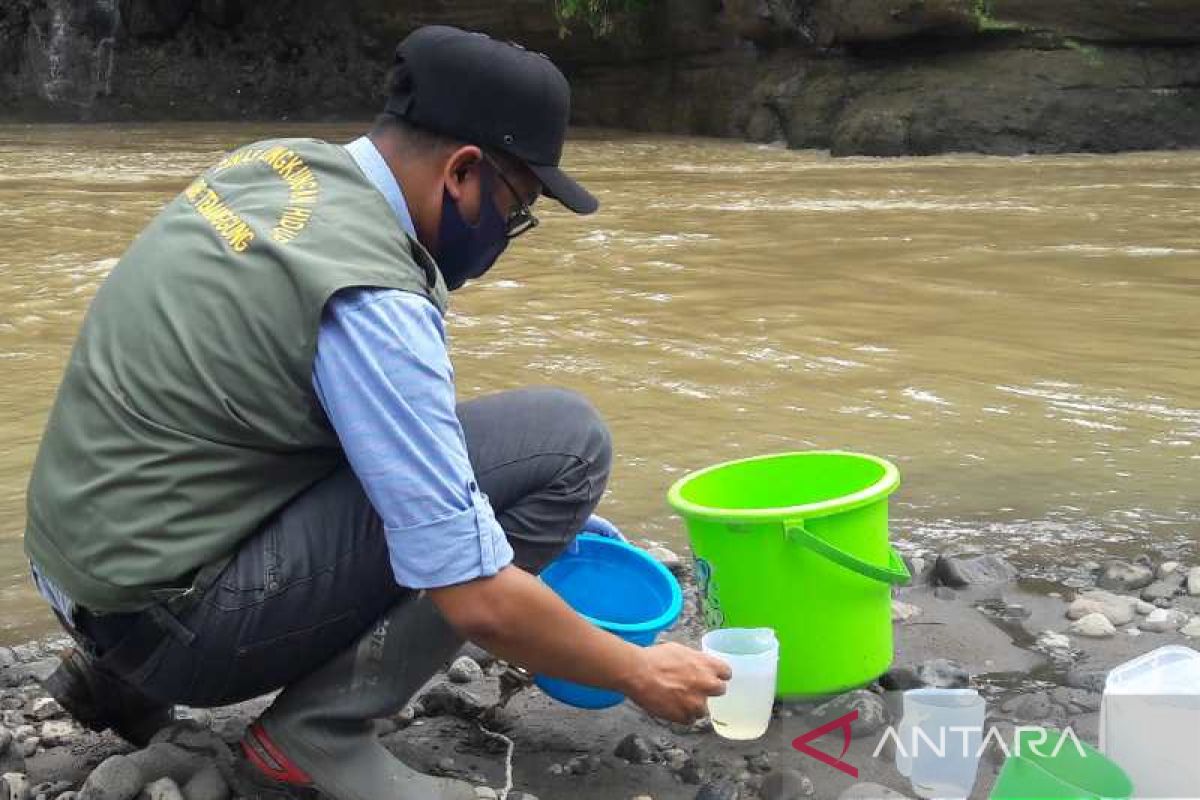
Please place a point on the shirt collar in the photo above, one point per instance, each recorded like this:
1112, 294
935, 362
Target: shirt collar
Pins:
367, 156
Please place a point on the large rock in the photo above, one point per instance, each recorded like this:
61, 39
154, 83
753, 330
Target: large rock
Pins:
786, 784
1123, 577
957, 571
1163, 620
873, 714
1093, 626
117, 778
1145, 21
1119, 610
1193, 582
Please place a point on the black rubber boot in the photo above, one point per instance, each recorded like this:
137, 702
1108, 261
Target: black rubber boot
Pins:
102, 701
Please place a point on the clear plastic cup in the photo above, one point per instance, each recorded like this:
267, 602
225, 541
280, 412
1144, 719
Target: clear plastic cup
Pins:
940, 737
744, 711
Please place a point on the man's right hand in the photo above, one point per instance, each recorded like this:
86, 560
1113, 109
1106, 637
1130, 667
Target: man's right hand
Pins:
676, 682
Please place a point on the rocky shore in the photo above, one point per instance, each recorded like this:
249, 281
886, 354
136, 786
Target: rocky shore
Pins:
1038, 652
857, 77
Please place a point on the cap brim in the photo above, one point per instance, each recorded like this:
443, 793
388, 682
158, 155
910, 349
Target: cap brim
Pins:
560, 186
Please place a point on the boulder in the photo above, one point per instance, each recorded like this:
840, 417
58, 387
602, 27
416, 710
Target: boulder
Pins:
957, 571
117, 778
872, 713
1117, 608
1124, 577
1163, 620
786, 784
1193, 582
1093, 626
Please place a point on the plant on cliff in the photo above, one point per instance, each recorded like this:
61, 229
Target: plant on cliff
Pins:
598, 14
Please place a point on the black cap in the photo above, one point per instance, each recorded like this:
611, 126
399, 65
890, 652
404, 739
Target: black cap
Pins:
494, 94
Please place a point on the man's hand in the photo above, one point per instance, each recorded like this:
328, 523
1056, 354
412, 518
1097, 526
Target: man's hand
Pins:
521, 620
677, 682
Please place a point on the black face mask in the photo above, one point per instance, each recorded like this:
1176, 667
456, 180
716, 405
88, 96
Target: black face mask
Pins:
467, 251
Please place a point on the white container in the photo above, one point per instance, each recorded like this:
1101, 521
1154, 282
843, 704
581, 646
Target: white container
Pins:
744, 711
1150, 722
940, 737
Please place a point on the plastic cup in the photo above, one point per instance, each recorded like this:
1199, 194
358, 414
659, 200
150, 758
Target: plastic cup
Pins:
941, 734
744, 711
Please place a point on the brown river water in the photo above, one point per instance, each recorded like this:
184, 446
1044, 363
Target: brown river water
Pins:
1020, 335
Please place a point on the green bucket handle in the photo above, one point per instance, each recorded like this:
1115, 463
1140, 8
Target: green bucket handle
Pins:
896, 572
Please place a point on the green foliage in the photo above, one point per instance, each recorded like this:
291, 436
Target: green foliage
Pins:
598, 14
1091, 55
985, 22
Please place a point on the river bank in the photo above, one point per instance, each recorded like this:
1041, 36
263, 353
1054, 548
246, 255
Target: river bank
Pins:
1037, 651
856, 77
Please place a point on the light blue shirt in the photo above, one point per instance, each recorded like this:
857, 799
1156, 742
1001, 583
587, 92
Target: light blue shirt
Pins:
383, 375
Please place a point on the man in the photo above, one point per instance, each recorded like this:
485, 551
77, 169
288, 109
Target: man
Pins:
255, 475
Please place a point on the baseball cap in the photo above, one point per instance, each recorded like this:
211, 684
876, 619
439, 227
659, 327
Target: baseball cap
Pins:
494, 94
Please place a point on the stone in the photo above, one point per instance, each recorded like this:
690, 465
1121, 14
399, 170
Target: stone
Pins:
871, 791
1143, 608
50, 789
477, 654
58, 732
943, 673
1091, 680
1167, 569
978, 570
1162, 620
7, 659
719, 790
900, 679
691, 772
1077, 701
1193, 581
945, 593
1031, 707
1119, 610
207, 784
674, 758
903, 612
15, 786
760, 762
23, 732
162, 789
1163, 589
1093, 626
1192, 629
485, 793
1049, 640
1120, 576
117, 778
634, 749
27, 747
445, 698
464, 670
45, 708
872, 713
445, 764
167, 760
668, 558
786, 784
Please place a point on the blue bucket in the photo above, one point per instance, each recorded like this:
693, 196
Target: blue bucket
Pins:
618, 587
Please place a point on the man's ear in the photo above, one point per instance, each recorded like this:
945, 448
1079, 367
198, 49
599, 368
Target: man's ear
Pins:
459, 168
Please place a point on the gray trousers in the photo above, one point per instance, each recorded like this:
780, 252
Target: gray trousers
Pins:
317, 575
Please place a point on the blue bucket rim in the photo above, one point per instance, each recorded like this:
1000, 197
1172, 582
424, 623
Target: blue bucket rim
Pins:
659, 623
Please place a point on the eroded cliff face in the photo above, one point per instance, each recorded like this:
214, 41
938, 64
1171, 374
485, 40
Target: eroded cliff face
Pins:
876, 77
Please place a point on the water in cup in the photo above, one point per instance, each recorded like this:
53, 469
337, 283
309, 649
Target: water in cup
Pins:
941, 735
744, 711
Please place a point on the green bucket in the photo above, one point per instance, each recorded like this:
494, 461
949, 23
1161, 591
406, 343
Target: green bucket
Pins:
1057, 767
798, 542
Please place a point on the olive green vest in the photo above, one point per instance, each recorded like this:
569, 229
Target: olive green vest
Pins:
186, 415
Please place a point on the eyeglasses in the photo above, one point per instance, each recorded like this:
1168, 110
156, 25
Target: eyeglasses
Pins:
521, 219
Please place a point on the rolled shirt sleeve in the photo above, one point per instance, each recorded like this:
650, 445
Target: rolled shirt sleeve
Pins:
384, 378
